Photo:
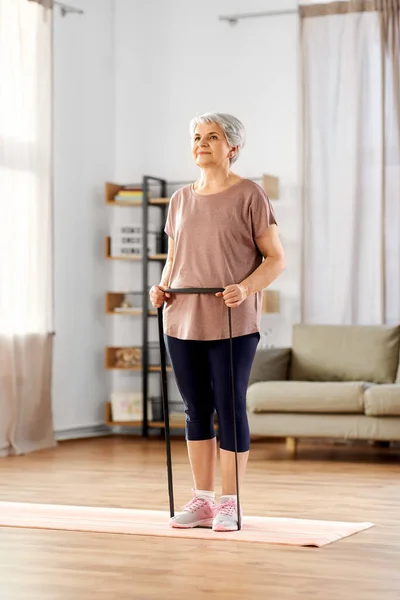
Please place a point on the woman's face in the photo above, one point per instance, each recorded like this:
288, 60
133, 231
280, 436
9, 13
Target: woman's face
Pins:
209, 146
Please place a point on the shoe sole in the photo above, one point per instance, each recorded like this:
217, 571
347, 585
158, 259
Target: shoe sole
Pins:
223, 528
204, 523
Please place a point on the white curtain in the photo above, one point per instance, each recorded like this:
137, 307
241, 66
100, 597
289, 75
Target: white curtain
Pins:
390, 35
26, 319
351, 259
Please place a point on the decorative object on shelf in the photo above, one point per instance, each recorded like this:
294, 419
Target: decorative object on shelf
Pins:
125, 303
127, 357
270, 185
127, 240
129, 256
271, 302
133, 229
128, 406
131, 357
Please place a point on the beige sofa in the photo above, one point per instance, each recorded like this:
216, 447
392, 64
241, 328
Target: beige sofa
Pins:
334, 382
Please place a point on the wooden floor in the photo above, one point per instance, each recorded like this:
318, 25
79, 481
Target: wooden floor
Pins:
334, 482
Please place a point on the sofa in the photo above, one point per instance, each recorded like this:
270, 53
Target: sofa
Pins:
335, 381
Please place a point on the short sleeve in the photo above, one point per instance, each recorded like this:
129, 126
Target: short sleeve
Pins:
170, 222
261, 213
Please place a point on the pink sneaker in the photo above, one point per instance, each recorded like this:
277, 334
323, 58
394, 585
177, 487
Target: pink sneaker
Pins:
199, 512
226, 518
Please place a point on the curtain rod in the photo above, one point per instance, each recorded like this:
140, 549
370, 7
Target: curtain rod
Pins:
233, 19
65, 8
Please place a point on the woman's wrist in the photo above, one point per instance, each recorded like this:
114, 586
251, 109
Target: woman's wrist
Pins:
246, 289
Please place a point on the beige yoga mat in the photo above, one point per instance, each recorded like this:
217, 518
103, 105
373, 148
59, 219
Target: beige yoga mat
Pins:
267, 530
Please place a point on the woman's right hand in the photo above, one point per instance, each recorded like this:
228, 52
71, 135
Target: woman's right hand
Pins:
158, 296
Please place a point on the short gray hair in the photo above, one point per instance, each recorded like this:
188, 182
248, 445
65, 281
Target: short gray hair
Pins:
231, 126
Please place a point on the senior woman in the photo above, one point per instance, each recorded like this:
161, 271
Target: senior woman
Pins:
221, 233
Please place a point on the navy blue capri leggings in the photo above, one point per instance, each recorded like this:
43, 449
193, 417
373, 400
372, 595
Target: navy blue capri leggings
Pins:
202, 374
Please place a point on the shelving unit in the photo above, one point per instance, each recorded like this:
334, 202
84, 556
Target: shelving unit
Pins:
271, 299
113, 300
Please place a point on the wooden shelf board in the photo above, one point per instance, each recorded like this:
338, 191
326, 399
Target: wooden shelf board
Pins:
152, 202
159, 201
158, 256
109, 368
137, 311
124, 423
132, 311
161, 425
173, 424
137, 258
139, 368
151, 424
151, 369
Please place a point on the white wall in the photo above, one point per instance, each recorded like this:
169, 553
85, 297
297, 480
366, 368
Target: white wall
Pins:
129, 75
84, 158
175, 59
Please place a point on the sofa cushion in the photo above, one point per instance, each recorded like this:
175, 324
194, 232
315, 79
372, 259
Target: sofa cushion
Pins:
345, 353
270, 364
382, 400
306, 396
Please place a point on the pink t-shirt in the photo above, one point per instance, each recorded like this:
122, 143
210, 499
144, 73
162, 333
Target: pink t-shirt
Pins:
215, 247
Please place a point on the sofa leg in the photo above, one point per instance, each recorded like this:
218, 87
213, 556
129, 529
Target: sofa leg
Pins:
381, 444
291, 446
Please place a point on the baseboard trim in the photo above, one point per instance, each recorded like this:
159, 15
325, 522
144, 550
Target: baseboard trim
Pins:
75, 433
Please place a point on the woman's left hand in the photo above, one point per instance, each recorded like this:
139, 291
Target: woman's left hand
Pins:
234, 295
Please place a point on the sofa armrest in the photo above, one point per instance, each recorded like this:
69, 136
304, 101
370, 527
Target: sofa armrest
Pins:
271, 364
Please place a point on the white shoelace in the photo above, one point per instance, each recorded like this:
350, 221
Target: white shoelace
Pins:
227, 508
194, 504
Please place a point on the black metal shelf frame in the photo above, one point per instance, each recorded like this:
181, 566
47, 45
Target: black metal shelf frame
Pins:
145, 263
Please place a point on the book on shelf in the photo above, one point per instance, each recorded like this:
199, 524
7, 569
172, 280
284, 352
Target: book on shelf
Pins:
128, 195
